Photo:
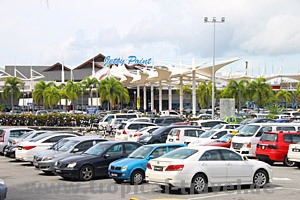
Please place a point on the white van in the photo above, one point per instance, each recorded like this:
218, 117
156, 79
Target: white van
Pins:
104, 122
183, 135
248, 136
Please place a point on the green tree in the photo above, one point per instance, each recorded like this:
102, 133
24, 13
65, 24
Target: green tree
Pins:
73, 91
52, 97
38, 92
204, 94
110, 90
11, 89
90, 84
260, 91
237, 90
284, 96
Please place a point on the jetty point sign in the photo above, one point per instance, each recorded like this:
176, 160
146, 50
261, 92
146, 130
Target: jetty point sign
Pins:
129, 61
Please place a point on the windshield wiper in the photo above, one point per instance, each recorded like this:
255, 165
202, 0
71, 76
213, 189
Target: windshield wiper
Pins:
137, 157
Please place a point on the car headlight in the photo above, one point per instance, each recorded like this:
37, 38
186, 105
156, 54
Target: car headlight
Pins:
47, 158
124, 168
71, 165
56, 163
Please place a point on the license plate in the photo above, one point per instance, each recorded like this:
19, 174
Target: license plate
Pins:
158, 168
296, 150
171, 140
114, 174
58, 170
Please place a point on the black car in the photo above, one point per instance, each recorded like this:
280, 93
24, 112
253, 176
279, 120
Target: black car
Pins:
95, 161
166, 121
160, 135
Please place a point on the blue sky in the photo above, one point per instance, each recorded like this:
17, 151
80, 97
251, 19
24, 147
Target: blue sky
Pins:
266, 33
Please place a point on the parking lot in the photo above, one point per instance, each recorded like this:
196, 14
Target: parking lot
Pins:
24, 182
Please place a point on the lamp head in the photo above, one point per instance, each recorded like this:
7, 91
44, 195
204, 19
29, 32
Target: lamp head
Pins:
205, 19
223, 19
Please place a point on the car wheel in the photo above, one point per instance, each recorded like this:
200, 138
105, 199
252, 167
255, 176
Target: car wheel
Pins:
199, 184
86, 173
297, 164
119, 181
260, 178
288, 163
48, 173
165, 188
137, 177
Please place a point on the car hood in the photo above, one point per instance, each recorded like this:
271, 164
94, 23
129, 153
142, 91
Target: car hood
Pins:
52, 153
129, 162
77, 158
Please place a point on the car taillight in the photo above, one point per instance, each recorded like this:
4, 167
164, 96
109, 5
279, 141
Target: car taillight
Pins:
149, 166
27, 147
178, 135
174, 168
137, 134
2, 137
249, 145
272, 147
14, 142
124, 132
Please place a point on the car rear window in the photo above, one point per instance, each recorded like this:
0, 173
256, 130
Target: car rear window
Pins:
180, 153
270, 137
285, 128
157, 121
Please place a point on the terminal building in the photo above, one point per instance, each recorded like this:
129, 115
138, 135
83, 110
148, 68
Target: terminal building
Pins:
155, 87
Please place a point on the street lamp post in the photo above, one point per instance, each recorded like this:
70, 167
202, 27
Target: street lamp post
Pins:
134, 100
214, 21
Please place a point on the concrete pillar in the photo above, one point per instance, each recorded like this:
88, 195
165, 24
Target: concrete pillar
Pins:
170, 96
152, 98
181, 97
194, 89
145, 98
160, 96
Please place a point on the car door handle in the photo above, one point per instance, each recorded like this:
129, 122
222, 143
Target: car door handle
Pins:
204, 164
229, 164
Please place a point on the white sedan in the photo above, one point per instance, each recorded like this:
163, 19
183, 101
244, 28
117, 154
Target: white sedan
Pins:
134, 137
26, 150
201, 167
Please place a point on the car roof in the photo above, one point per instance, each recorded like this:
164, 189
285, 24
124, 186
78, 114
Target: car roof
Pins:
83, 138
164, 145
204, 148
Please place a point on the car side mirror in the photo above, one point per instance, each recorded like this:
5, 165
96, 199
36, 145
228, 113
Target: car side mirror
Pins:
151, 157
245, 158
75, 150
215, 137
107, 156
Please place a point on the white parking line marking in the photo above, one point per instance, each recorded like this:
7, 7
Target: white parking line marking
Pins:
281, 179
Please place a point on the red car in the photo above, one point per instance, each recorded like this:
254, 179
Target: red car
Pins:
274, 146
224, 141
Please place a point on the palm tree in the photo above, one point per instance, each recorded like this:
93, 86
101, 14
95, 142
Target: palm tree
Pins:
52, 97
38, 92
285, 96
110, 89
73, 91
237, 90
11, 89
204, 93
90, 84
260, 91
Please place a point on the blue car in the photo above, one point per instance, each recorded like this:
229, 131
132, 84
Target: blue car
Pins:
133, 168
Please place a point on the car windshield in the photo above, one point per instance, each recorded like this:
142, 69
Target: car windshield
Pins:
225, 138
218, 126
97, 149
39, 137
157, 121
141, 153
180, 153
248, 131
269, 137
67, 145
59, 144
25, 135
159, 131
207, 134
